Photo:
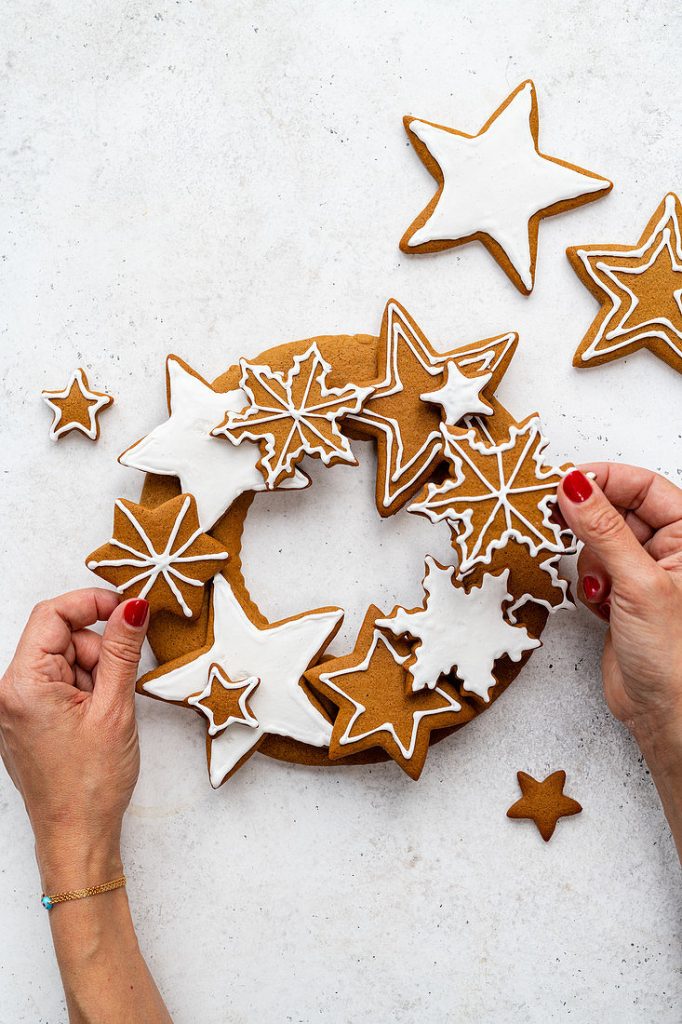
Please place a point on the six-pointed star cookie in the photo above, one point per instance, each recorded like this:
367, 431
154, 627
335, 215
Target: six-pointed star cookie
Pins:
495, 186
76, 407
161, 554
543, 802
277, 654
376, 707
640, 291
214, 472
403, 414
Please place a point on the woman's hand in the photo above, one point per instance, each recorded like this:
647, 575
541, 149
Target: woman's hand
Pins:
630, 521
67, 731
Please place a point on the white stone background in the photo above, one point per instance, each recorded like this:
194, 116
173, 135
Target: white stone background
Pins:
212, 178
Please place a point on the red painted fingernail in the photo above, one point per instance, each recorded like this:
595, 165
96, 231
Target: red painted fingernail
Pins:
135, 612
577, 487
591, 587
605, 610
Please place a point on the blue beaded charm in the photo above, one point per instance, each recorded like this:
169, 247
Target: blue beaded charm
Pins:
47, 902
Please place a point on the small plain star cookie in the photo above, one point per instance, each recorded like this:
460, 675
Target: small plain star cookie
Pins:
76, 407
495, 187
639, 288
543, 802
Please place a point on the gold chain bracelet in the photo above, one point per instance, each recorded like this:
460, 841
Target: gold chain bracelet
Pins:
81, 894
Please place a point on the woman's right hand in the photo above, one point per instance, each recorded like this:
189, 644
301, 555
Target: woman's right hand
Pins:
630, 521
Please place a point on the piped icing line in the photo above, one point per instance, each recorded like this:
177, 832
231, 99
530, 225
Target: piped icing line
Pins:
405, 472
617, 335
153, 563
182, 446
275, 399
347, 737
97, 400
549, 566
439, 499
459, 630
244, 687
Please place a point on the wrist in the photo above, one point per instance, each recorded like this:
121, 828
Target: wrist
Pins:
660, 741
74, 862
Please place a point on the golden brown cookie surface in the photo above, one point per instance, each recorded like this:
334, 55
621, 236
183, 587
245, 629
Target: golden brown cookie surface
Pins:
76, 407
544, 802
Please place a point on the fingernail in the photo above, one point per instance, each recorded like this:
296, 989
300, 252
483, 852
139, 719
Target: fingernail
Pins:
605, 610
577, 487
135, 612
591, 587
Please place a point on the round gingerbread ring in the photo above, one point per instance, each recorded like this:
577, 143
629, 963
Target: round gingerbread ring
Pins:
356, 359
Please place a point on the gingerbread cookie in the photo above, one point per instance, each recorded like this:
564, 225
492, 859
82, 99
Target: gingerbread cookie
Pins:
371, 711
639, 288
376, 707
460, 630
417, 387
543, 802
76, 407
495, 187
160, 554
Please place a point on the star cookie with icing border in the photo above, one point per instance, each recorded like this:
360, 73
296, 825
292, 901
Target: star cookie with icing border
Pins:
415, 386
375, 705
225, 702
76, 407
495, 187
543, 802
640, 291
160, 554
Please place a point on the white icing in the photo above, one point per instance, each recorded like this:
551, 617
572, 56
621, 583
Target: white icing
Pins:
550, 567
406, 750
153, 563
460, 395
614, 333
214, 472
247, 685
404, 472
58, 427
288, 404
461, 631
278, 655
437, 505
495, 182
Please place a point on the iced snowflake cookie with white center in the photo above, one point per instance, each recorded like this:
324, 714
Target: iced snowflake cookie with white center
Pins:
415, 676
495, 187
639, 288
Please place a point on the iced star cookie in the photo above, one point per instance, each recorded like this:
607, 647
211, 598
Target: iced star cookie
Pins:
415, 402
76, 407
160, 554
639, 288
495, 187
543, 802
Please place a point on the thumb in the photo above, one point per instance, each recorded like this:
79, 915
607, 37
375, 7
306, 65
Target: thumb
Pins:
603, 530
121, 648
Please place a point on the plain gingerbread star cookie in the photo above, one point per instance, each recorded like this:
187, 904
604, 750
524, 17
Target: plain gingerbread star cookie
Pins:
76, 407
543, 802
640, 291
495, 187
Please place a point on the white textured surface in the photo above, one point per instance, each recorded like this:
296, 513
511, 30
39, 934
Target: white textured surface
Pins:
211, 178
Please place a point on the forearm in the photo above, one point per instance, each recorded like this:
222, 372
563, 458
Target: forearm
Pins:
662, 750
105, 977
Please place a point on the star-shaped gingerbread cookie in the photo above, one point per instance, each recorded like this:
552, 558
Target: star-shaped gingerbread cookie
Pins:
640, 291
416, 387
76, 407
225, 701
543, 802
376, 706
495, 187
160, 554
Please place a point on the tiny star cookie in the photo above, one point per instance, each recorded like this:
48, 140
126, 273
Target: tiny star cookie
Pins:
376, 707
543, 802
495, 187
640, 291
278, 655
215, 473
225, 702
294, 415
76, 407
496, 493
160, 554
403, 412
459, 629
